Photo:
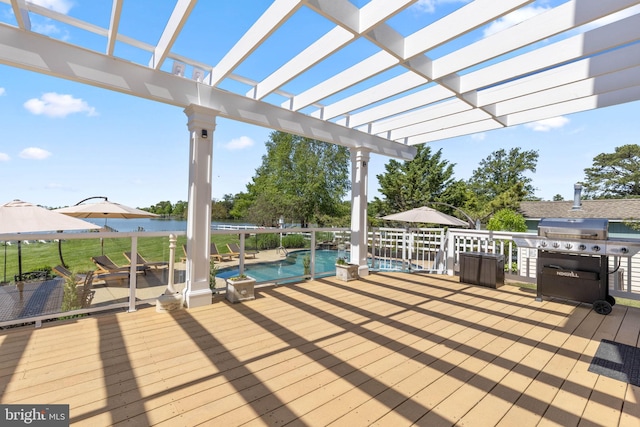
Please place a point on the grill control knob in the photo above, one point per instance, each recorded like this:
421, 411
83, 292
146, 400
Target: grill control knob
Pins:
556, 245
582, 247
568, 246
624, 250
596, 248
543, 244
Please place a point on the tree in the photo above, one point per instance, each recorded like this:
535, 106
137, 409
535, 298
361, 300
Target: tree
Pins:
558, 198
507, 220
299, 178
501, 171
414, 183
218, 210
614, 175
163, 208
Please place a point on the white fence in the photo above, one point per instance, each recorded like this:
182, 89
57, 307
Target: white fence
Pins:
434, 251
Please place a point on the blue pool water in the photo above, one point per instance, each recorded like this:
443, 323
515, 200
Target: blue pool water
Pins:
290, 266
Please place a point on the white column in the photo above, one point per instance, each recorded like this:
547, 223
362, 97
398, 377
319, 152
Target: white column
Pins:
202, 123
359, 181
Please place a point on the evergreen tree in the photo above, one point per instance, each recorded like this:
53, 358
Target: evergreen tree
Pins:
411, 184
499, 182
614, 175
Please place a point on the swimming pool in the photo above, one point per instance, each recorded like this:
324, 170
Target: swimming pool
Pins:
289, 267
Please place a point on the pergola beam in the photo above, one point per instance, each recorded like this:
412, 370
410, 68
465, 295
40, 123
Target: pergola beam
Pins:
21, 13
48, 56
114, 23
269, 21
605, 63
540, 27
583, 45
178, 18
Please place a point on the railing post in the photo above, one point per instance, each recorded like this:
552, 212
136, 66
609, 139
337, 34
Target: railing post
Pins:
313, 255
241, 256
172, 258
133, 274
451, 253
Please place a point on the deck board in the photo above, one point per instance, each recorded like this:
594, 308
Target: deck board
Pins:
390, 349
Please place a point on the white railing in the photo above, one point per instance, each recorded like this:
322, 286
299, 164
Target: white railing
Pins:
411, 249
521, 263
428, 250
24, 302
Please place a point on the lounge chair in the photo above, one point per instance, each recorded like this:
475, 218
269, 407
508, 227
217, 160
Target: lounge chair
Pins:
80, 278
234, 249
144, 262
106, 265
216, 255
213, 253
65, 273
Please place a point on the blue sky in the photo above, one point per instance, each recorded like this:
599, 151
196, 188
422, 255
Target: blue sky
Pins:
61, 142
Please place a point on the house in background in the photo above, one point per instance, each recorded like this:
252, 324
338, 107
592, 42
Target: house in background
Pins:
619, 212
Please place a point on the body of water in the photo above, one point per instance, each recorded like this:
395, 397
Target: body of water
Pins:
152, 224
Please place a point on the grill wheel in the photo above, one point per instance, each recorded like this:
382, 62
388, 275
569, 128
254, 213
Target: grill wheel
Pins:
602, 307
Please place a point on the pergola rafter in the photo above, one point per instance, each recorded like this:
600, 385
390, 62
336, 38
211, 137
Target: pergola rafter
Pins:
437, 81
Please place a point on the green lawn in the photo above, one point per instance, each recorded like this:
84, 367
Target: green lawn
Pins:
77, 253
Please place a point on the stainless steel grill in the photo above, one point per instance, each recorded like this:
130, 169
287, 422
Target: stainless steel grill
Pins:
573, 259
585, 236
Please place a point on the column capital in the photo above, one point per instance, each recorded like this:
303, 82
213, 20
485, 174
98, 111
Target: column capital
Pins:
200, 117
360, 151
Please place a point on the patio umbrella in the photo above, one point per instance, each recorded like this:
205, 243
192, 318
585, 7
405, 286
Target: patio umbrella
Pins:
425, 215
104, 209
22, 217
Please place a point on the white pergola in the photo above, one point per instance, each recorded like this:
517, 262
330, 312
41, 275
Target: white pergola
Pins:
446, 78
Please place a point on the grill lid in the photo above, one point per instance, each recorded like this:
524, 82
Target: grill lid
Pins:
574, 228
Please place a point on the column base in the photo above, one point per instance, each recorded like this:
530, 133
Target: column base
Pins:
199, 298
363, 270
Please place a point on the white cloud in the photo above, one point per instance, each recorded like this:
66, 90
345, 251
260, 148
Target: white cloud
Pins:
239, 143
34, 153
61, 6
479, 136
57, 105
513, 18
4, 157
548, 124
2, 91
429, 6
48, 29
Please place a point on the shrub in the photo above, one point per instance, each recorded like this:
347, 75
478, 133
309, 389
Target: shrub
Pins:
306, 264
70, 295
268, 241
293, 241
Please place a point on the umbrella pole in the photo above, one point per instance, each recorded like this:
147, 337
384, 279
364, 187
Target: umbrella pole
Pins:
5, 262
60, 253
19, 260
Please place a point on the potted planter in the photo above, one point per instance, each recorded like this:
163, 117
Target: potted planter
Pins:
240, 288
346, 271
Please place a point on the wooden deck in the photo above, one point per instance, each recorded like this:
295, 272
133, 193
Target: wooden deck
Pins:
390, 350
